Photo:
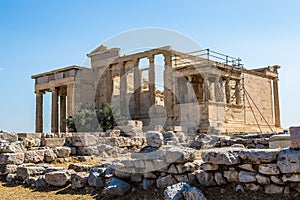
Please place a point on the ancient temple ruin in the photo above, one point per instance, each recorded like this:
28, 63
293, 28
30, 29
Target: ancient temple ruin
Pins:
203, 91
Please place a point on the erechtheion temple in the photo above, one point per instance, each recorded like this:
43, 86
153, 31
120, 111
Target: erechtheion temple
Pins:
204, 90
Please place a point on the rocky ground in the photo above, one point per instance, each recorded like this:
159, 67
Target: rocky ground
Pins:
13, 192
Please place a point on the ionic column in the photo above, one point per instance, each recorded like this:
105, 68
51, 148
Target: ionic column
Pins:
137, 87
62, 113
123, 88
276, 103
227, 90
109, 85
70, 96
237, 92
39, 112
169, 98
152, 79
54, 111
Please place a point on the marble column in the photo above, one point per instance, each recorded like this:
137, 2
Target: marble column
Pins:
169, 99
227, 91
237, 92
123, 88
39, 112
109, 85
62, 113
54, 113
152, 79
276, 103
137, 87
70, 99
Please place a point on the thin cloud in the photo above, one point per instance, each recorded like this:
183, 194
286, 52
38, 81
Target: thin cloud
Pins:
1, 68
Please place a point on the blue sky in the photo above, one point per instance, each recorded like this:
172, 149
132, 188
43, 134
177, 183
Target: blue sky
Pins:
37, 36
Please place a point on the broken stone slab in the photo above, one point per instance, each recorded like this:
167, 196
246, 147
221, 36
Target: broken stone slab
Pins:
58, 178
247, 177
205, 178
295, 137
163, 182
288, 161
258, 155
223, 156
95, 178
280, 141
175, 192
87, 151
49, 155
21, 136
79, 167
112, 133
24, 172
219, 179
152, 155
231, 176
9, 137
31, 142
11, 158
154, 138
8, 169
269, 169
115, 187
291, 178
180, 155
34, 156
194, 194
62, 152
263, 180
83, 140
40, 182
273, 189
79, 180
53, 142
53, 169
147, 183
13, 147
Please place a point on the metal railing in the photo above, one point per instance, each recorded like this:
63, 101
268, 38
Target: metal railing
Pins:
206, 55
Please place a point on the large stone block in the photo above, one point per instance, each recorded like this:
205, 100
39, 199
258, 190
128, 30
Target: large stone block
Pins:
224, 156
14, 147
173, 192
9, 137
163, 182
116, 187
79, 180
295, 137
258, 155
180, 155
34, 156
62, 152
269, 169
205, 178
8, 169
53, 142
24, 172
154, 138
83, 140
288, 161
280, 141
58, 178
11, 158
247, 177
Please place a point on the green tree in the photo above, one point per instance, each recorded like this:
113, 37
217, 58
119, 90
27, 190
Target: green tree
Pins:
87, 118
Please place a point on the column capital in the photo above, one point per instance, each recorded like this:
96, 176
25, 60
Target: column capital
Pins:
151, 58
39, 92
